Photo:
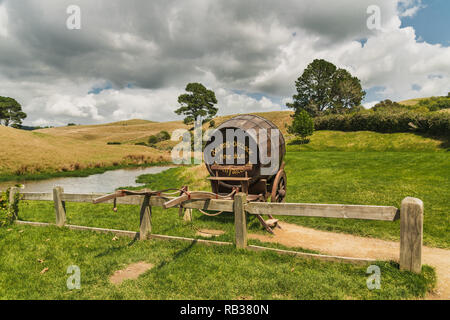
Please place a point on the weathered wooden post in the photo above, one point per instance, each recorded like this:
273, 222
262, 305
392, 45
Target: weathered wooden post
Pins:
240, 220
411, 234
60, 206
12, 194
145, 219
183, 212
187, 215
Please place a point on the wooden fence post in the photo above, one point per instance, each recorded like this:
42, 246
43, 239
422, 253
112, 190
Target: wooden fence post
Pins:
187, 215
145, 219
60, 206
240, 220
12, 193
411, 234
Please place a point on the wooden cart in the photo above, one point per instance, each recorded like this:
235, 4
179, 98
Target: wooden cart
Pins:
247, 178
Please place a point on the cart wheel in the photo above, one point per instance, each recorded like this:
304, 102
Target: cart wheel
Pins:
279, 187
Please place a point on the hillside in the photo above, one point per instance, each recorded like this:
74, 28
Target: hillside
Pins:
133, 131
411, 102
85, 146
33, 152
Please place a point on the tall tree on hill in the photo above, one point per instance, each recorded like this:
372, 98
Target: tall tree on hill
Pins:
324, 88
198, 102
11, 113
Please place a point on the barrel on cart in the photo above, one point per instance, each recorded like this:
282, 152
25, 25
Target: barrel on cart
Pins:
251, 177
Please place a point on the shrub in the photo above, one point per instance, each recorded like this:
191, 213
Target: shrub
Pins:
152, 140
140, 144
302, 125
113, 143
163, 136
389, 106
435, 103
432, 123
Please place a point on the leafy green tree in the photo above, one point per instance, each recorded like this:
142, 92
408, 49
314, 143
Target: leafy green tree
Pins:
346, 93
198, 102
302, 125
11, 113
324, 88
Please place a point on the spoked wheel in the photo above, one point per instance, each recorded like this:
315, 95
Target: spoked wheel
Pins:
279, 187
278, 191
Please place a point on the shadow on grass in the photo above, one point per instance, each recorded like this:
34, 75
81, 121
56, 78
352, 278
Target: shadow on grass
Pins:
177, 255
227, 220
117, 249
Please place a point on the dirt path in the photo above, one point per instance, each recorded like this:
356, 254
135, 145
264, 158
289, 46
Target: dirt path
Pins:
354, 246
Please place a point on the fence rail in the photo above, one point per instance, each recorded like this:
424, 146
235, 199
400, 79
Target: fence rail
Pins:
410, 214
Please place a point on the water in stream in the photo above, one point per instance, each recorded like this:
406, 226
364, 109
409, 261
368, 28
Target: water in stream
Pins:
96, 183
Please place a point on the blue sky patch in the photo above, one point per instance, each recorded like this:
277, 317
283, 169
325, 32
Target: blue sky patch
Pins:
97, 90
432, 22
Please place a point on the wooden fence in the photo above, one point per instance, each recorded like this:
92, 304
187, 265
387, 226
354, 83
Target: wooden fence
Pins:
410, 214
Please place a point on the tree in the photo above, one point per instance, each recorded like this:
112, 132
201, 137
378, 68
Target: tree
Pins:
199, 102
324, 88
11, 112
347, 92
302, 125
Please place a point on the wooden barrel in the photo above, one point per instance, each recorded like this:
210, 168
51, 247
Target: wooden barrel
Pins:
246, 123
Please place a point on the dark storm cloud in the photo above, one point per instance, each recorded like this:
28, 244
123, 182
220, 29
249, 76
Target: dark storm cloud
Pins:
160, 43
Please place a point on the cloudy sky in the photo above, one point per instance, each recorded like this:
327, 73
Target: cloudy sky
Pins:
131, 59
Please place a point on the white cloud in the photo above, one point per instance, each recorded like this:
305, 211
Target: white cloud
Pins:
231, 46
370, 104
409, 8
3, 22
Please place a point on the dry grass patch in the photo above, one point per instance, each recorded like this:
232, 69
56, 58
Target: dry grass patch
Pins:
131, 272
25, 152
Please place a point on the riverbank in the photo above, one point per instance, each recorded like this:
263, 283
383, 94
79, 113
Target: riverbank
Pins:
6, 177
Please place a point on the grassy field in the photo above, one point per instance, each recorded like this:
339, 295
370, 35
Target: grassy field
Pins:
372, 178
335, 167
375, 178
181, 271
367, 141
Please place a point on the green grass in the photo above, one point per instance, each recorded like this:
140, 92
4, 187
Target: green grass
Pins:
181, 271
367, 141
317, 173
372, 178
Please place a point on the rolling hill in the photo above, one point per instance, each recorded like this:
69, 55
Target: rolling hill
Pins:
85, 146
33, 152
